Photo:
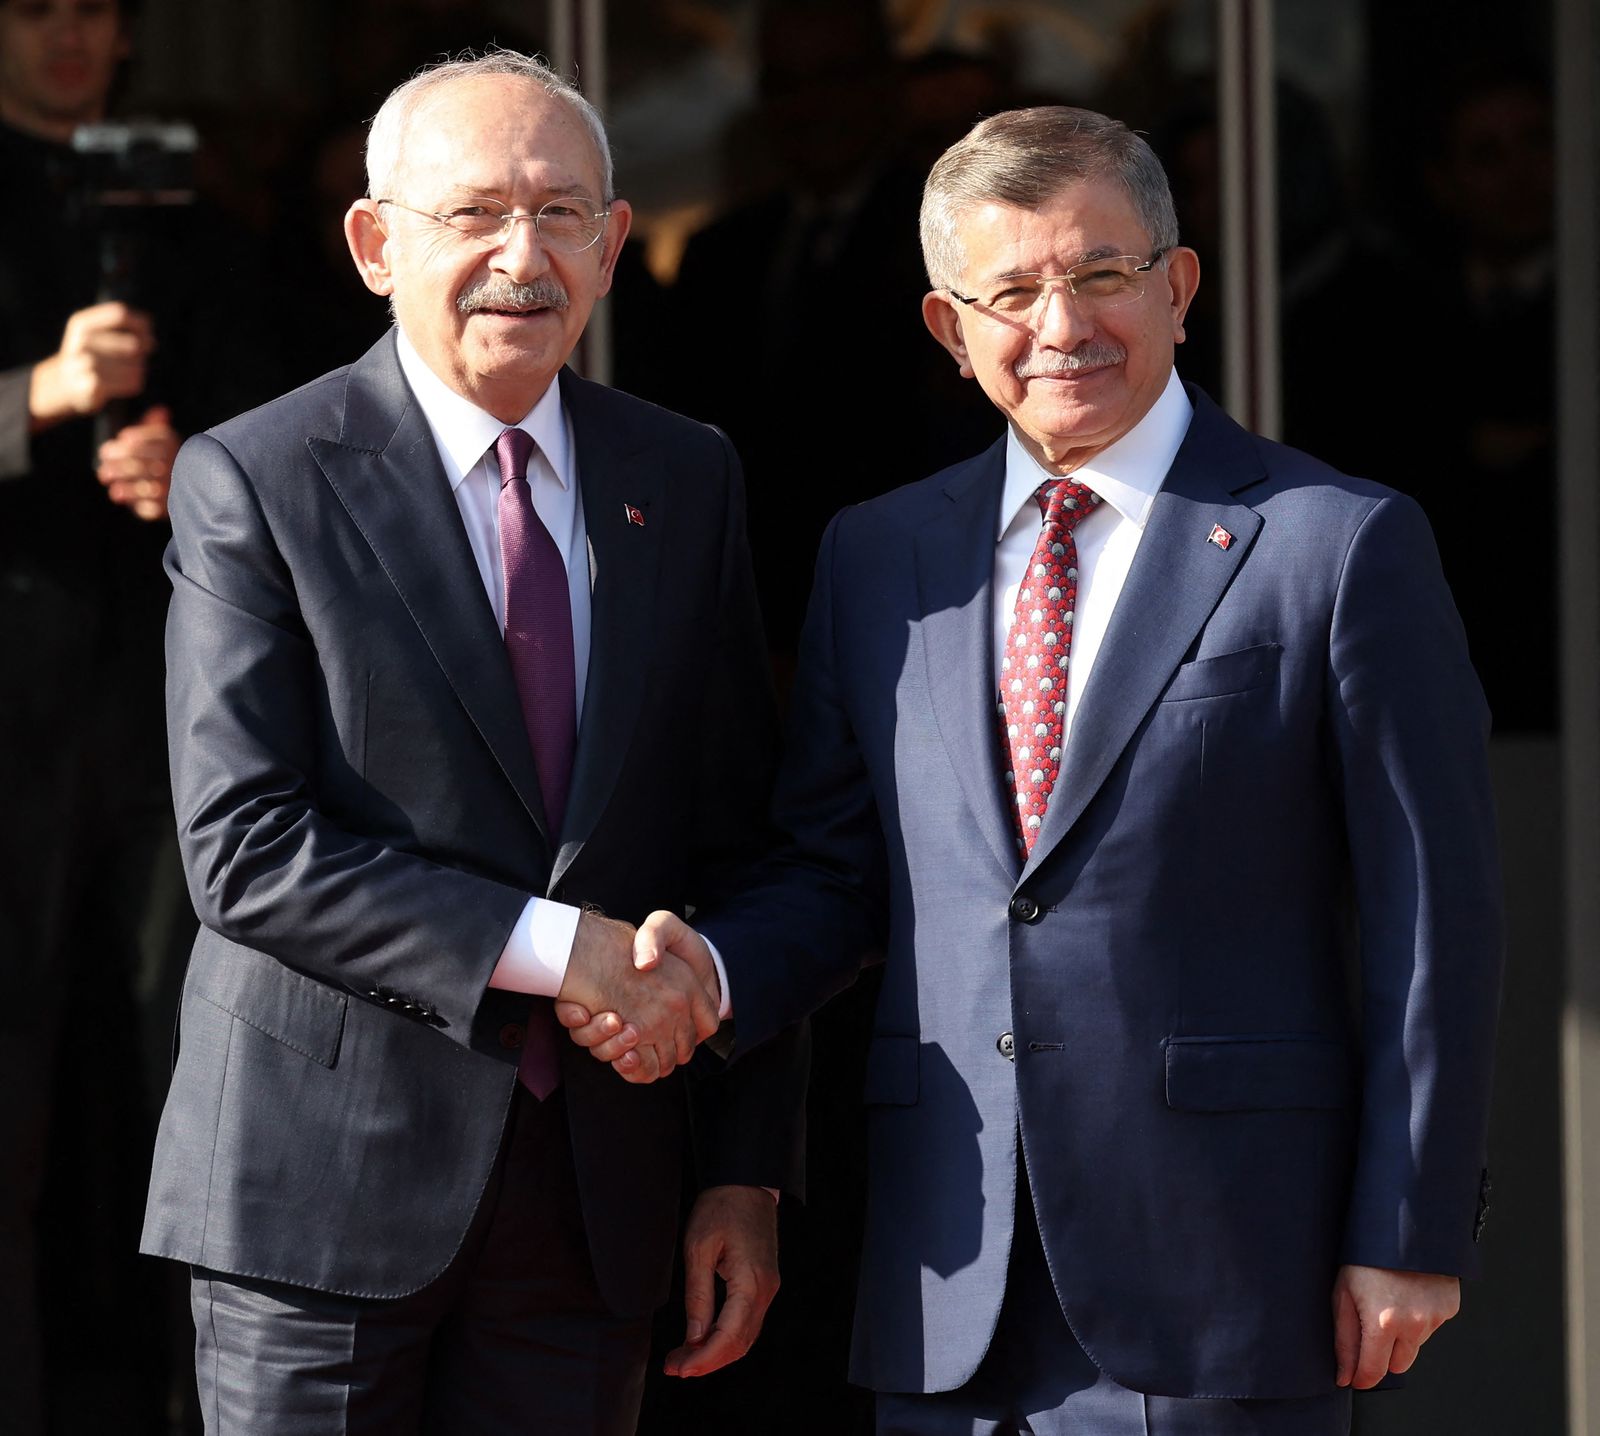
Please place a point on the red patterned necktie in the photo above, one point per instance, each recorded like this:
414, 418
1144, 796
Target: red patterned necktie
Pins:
1033, 670
538, 636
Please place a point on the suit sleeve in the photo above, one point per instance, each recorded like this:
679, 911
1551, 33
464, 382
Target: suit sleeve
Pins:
15, 457
800, 935
265, 867
750, 1118
1409, 729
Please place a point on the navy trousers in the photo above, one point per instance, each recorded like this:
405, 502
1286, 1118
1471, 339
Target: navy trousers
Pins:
1036, 1380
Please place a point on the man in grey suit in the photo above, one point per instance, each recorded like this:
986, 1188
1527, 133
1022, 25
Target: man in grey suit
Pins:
462, 651
1139, 743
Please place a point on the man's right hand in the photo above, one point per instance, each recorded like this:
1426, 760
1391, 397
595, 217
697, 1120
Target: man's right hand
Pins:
659, 1010
663, 943
101, 358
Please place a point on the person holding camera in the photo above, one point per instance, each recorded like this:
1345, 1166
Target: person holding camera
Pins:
87, 887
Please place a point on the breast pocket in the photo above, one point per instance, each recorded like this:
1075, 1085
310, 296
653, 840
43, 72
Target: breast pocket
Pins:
1241, 671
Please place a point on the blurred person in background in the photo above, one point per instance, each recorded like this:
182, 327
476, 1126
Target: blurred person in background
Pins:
1472, 259
1485, 294
834, 242
91, 390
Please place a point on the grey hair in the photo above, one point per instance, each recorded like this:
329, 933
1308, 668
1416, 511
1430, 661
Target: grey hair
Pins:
387, 134
1026, 158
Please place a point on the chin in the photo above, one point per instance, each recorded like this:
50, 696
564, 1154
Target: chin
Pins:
1070, 415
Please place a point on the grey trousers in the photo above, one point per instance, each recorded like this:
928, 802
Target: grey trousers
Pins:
512, 1338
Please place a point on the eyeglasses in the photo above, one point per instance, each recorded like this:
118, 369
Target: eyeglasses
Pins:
1095, 284
566, 226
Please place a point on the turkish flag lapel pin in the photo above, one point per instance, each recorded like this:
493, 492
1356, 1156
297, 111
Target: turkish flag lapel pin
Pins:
1220, 537
634, 515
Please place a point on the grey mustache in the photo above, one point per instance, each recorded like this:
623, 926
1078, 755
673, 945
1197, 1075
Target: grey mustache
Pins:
1091, 354
507, 294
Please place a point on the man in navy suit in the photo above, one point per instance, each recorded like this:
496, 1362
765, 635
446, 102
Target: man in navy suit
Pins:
1149, 752
451, 629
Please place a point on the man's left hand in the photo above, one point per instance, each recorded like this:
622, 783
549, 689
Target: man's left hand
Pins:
733, 1233
136, 464
1382, 1317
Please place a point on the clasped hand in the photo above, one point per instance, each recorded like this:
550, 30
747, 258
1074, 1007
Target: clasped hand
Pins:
640, 1001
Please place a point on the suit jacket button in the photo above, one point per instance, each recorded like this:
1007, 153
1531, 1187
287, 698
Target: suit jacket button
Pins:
1025, 909
511, 1035
1007, 1046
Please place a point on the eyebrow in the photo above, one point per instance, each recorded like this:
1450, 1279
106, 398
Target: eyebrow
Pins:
1104, 251
546, 193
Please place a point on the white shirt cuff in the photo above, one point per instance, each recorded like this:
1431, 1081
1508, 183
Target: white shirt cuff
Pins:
725, 1011
537, 952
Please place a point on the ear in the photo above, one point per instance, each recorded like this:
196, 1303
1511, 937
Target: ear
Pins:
617, 228
943, 317
1183, 277
369, 245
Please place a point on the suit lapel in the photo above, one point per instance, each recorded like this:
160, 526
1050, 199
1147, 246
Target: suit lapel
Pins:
955, 572
385, 469
1176, 580
617, 473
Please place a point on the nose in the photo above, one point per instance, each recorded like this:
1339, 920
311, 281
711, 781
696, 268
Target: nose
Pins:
520, 255
1060, 320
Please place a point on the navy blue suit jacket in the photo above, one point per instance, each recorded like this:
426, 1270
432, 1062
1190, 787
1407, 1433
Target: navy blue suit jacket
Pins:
1237, 1005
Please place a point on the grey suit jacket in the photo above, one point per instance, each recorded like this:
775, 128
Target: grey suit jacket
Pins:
361, 827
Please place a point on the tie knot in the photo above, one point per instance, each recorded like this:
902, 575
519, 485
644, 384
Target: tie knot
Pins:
513, 449
1064, 502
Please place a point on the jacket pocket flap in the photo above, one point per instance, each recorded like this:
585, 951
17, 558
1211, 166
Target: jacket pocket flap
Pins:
1241, 1074
1236, 672
892, 1075
305, 1015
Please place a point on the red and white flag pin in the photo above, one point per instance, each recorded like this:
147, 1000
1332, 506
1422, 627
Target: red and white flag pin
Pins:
1219, 536
635, 516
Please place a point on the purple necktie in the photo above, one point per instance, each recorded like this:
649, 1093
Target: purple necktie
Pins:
539, 645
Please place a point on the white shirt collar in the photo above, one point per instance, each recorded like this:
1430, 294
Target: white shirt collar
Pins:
463, 433
1127, 474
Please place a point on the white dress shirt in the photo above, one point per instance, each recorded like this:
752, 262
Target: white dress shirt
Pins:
1127, 475
536, 954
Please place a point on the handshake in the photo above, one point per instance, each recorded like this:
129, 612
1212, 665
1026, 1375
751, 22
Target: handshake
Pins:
642, 999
